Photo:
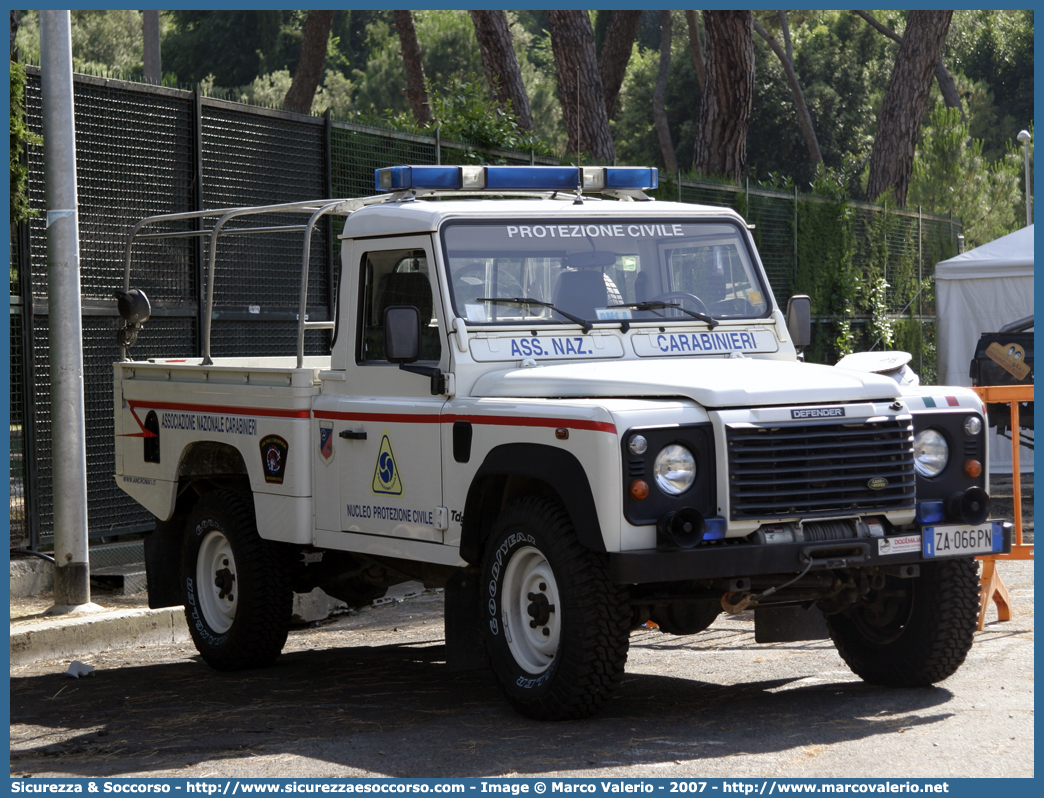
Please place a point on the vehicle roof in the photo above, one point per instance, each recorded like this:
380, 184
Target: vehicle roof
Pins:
425, 216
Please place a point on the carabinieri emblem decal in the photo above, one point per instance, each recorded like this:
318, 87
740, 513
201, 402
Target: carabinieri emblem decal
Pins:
274, 450
326, 442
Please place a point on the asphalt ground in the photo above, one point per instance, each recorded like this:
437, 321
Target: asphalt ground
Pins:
367, 694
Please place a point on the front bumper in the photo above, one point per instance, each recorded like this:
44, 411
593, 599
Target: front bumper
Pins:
729, 561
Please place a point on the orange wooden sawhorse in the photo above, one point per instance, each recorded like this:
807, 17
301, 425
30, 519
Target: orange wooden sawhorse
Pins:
991, 586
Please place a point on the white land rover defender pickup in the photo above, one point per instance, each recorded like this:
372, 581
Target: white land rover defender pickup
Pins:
574, 408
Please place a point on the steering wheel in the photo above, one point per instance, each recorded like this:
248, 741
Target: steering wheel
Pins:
679, 295
466, 289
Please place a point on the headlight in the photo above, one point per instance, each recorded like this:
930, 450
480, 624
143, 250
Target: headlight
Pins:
972, 425
674, 469
930, 453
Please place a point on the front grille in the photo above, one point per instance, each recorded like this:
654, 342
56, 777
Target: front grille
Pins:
820, 469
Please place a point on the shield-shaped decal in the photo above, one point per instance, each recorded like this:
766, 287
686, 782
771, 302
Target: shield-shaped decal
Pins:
326, 441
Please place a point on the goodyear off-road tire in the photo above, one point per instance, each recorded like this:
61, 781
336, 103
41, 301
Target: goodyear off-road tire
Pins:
920, 635
236, 586
555, 625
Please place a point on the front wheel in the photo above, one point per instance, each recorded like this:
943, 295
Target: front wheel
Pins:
912, 632
236, 588
555, 625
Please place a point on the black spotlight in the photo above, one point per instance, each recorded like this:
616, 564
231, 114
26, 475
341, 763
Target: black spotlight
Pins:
680, 529
970, 507
134, 309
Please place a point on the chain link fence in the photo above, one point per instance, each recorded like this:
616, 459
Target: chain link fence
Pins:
147, 150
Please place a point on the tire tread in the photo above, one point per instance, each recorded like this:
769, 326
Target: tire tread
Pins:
265, 605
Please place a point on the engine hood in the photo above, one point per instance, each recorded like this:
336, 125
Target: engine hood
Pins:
739, 382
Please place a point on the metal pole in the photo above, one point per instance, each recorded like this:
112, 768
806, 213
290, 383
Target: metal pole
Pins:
1024, 137
65, 331
151, 46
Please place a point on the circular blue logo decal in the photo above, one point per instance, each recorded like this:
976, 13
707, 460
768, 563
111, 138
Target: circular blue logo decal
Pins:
386, 468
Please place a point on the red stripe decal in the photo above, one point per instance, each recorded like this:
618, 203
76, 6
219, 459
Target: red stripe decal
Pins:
515, 421
232, 411
392, 418
952, 401
500, 421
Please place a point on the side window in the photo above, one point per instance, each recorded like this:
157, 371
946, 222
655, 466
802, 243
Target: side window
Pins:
396, 277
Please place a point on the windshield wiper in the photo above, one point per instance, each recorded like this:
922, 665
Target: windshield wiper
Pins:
711, 322
503, 300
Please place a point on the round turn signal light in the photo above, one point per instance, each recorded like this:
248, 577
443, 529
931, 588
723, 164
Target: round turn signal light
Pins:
972, 468
639, 489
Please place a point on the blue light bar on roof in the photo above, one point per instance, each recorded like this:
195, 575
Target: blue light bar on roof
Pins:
514, 178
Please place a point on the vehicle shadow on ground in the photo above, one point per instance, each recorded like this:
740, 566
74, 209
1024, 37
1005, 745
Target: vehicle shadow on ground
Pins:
395, 710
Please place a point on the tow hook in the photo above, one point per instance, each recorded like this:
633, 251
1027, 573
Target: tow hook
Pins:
744, 600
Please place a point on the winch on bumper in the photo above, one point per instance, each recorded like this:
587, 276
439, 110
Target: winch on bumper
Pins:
741, 559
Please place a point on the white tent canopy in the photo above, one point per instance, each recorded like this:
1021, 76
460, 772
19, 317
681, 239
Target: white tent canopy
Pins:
980, 291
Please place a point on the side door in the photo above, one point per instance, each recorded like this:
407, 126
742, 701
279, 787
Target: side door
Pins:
385, 426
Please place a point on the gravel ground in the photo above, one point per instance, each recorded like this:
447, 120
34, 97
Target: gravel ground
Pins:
367, 694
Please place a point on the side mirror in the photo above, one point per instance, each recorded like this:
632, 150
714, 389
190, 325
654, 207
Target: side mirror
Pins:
799, 320
401, 334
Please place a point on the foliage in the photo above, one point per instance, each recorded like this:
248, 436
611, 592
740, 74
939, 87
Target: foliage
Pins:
951, 174
20, 137
466, 111
448, 48
993, 50
634, 133
233, 46
107, 43
825, 269
449, 51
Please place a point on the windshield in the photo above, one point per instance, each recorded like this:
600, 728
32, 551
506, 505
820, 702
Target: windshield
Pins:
600, 271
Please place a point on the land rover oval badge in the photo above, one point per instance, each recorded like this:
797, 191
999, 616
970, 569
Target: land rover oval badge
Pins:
877, 483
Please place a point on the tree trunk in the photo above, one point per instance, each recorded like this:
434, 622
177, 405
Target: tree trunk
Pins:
696, 48
14, 31
724, 116
616, 52
416, 90
150, 29
947, 87
663, 130
580, 85
804, 118
501, 64
891, 160
310, 65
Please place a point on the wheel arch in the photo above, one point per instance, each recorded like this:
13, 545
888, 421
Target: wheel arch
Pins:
513, 470
204, 466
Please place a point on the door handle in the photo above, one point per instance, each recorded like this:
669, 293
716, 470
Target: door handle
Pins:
354, 435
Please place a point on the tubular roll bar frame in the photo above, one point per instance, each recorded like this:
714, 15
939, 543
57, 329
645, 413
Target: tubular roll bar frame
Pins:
317, 210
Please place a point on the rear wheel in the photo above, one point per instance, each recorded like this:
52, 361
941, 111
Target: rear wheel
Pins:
912, 632
236, 586
555, 625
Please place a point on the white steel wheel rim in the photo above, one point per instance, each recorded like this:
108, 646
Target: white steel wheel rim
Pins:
218, 589
531, 605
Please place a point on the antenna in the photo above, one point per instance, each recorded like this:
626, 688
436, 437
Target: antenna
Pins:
579, 169
578, 115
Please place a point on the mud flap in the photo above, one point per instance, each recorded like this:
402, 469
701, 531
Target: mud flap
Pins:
789, 624
465, 648
163, 563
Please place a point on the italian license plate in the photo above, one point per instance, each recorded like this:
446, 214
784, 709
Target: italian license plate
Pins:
962, 540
